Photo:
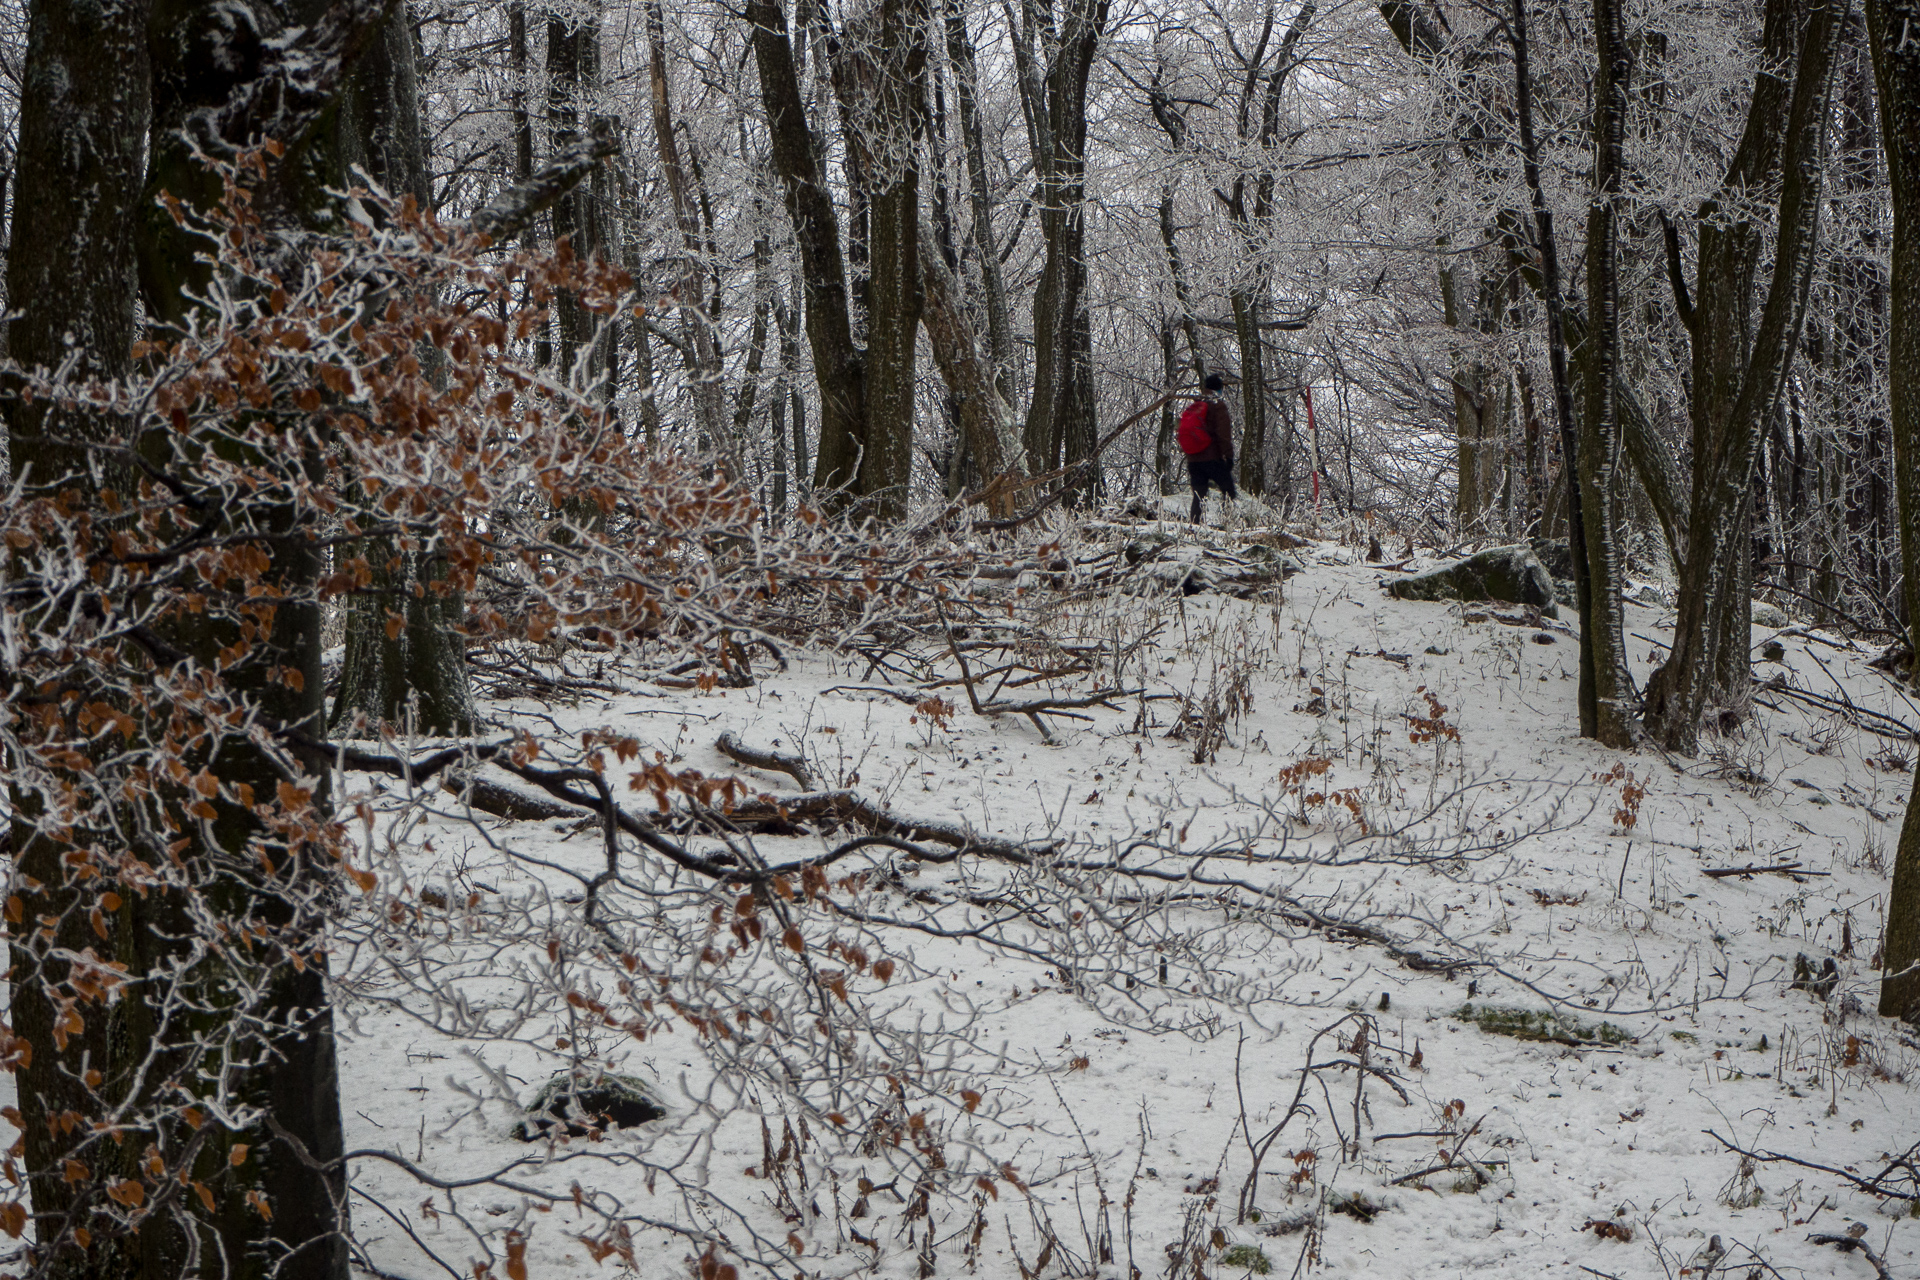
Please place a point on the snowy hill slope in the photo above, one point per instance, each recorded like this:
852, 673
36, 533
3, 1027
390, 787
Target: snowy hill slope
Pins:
1393, 837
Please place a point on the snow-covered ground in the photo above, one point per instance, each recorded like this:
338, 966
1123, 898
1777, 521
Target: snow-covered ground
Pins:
1077, 1057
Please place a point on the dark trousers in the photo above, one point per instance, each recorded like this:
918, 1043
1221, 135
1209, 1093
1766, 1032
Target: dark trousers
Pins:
1210, 472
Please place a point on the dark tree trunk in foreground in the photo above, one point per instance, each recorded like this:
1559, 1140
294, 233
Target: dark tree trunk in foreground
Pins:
1893, 31
281, 1067
1740, 367
70, 272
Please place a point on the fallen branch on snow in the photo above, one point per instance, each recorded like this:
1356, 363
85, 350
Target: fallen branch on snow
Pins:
1781, 868
505, 802
887, 829
1874, 1186
1847, 1244
773, 761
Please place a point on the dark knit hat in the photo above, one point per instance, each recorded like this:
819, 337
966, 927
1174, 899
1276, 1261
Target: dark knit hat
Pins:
1214, 382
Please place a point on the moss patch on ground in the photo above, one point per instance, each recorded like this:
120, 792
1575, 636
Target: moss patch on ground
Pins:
1540, 1024
1249, 1256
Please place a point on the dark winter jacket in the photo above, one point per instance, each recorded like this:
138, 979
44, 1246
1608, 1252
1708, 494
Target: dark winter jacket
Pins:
1220, 426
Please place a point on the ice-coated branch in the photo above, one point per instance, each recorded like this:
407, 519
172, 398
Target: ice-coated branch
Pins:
514, 208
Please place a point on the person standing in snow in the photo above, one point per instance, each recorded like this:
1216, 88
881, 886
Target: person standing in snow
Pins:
1213, 465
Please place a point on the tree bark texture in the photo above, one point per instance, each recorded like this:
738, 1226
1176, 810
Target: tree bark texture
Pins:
1059, 428
282, 1065
1249, 296
579, 216
880, 79
1577, 539
1600, 435
1740, 364
1893, 31
1174, 122
90, 98
839, 367
405, 661
1478, 427
987, 422
986, 250
70, 274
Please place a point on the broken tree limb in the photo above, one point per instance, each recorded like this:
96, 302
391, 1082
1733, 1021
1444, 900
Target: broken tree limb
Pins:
1848, 1244
584, 790
504, 802
1874, 1186
514, 208
339, 755
1782, 868
850, 806
1032, 707
773, 761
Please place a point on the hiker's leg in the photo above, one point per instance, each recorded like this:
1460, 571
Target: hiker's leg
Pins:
1226, 482
1197, 477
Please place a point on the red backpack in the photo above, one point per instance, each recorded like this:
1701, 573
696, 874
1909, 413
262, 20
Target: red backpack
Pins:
1193, 434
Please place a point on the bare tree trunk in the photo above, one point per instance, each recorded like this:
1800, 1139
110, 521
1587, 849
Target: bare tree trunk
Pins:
689, 291
1868, 531
70, 272
281, 1064
417, 672
1893, 32
839, 367
1579, 538
1165, 482
637, 336
988, 424
1476, 429
573, 70
1174, 122
1060, 426
1739, 368
1604, 630
986, 250
1252, 452
788, 316
517, 63
749, 392
519, 70
880, 74
1258, 122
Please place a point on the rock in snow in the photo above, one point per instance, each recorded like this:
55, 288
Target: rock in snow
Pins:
577, 1106
1513, 574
